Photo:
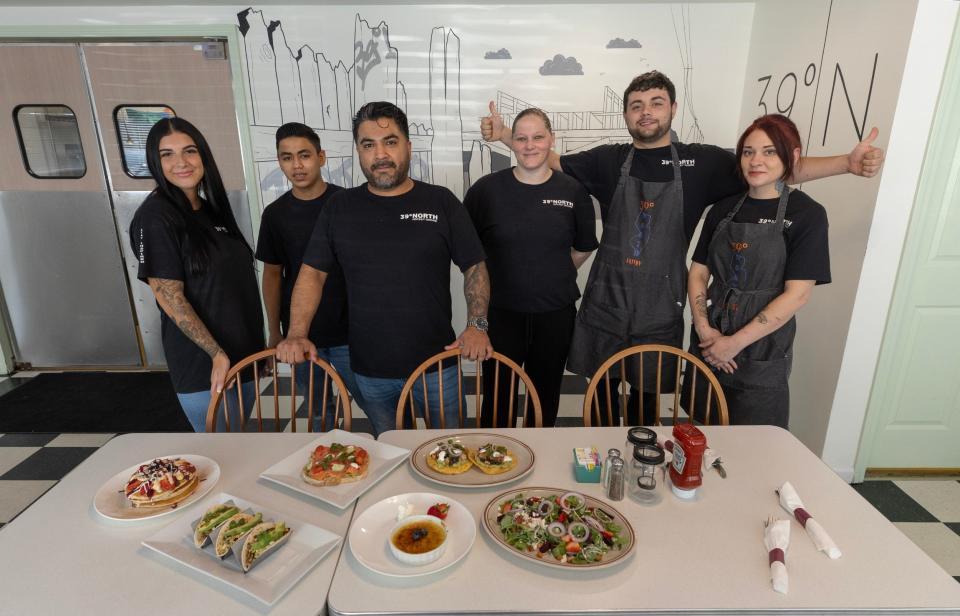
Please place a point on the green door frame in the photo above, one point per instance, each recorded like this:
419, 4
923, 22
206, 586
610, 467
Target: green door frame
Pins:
148, 33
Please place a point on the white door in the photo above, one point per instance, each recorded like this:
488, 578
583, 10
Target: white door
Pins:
60, 266
133, 85
913, 419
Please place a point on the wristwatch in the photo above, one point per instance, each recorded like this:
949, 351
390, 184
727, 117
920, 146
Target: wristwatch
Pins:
480, 323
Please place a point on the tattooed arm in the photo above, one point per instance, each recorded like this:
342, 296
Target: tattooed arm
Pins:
169, 294
476, 290
697, 291
774, 316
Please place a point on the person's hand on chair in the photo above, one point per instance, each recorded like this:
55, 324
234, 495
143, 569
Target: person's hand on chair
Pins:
294, 350
474, 344
221, 366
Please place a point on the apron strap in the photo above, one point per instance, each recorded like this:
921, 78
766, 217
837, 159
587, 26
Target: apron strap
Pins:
625, 170
782, 205
677, 180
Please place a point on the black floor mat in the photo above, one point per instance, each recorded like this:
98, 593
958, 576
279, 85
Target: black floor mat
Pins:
94, 402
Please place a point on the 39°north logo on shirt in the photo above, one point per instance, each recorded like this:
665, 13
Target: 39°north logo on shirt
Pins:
420, 217
221, 229
557, 203
684, 162
766, 221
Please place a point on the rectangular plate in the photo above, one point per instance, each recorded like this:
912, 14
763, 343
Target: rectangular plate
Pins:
269, 580
383, 459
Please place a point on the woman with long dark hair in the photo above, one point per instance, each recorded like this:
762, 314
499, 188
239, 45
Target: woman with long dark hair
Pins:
762, 253
199, 266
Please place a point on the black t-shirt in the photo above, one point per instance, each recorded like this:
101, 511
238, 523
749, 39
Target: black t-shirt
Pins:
708, 174
225, 297
804, 231
285, 229
527, 232
395, 253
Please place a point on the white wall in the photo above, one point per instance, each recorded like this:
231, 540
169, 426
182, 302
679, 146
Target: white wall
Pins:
701, 46
801, 46
922, 76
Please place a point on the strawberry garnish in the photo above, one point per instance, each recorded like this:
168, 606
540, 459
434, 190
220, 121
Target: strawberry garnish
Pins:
439, 510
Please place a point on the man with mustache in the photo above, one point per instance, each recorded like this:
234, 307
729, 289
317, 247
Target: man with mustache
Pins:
652, 194
394, 239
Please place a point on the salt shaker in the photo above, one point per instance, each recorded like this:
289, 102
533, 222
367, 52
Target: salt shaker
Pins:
615, 480
612, 454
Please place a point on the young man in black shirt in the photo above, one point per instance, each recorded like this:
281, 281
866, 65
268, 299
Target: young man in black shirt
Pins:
394, 239
285, 229
652, 193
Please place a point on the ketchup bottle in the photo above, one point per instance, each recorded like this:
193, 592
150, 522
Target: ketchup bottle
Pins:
686, 475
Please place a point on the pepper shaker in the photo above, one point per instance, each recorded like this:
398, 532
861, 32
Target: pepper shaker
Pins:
612, 454
615, 480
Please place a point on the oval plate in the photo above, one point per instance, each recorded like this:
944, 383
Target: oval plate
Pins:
474, 477
370, 532
491, 512
111, 503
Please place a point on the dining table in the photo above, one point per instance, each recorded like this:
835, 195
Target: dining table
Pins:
61, 556
704, 555
699, 556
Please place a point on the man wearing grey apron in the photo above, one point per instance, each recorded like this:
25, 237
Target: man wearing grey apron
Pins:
652, 193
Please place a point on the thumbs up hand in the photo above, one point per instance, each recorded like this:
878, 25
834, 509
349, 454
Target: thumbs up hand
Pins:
865, 159
491, 127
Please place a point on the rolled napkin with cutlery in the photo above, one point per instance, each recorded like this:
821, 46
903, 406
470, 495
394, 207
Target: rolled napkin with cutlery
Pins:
790, 500
776, 536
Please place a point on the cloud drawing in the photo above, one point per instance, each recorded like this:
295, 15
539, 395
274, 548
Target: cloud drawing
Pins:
500, 54
561, 65
619, 43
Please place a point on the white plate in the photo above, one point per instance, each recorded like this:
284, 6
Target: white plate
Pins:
111, 503
473, 477
370, 532
490, 523
269, 580
383, 459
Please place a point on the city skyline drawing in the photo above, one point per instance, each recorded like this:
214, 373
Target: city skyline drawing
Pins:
303, 82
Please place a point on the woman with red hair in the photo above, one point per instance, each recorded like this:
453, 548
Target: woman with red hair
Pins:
761, 253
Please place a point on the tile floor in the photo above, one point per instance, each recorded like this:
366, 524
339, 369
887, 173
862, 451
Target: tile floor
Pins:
925, 510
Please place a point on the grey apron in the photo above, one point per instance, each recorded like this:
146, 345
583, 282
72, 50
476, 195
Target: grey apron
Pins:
747, 262
637, 286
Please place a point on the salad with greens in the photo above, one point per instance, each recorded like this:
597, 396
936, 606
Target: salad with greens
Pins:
559, 526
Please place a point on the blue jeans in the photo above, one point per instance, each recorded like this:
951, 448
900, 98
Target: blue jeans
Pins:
195, 407
339, 358
382, 395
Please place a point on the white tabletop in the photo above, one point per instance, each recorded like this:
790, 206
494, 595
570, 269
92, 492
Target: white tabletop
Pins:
61, 557
704, 556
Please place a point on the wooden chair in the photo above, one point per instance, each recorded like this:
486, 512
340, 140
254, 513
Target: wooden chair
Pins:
334, 392
618, 365
531, 401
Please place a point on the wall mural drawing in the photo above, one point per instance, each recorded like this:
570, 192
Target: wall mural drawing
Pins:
306, 81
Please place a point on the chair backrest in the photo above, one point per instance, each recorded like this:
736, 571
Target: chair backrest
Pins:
421, 377
599, 389
263, 365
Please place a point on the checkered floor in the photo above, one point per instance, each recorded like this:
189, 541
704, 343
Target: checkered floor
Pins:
926, 510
